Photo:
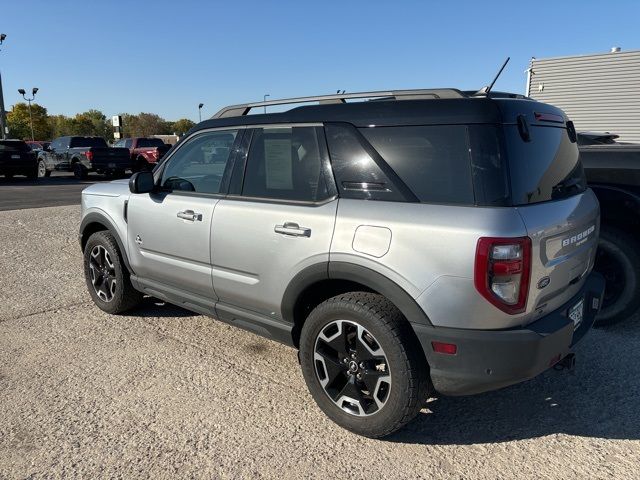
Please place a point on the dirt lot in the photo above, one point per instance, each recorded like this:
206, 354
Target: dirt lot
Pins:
162, 393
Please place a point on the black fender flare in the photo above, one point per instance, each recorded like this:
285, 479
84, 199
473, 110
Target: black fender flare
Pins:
354, 273
95, 217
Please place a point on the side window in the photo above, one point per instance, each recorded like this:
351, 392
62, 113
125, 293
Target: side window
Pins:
119, 143
127, 143
433, 161
285, 163
199, 165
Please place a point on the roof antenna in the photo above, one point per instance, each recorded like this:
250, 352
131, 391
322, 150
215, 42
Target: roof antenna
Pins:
485, 90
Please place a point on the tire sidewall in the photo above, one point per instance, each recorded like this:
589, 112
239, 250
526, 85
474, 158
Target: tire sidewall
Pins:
393, 409
616, 245
106, 240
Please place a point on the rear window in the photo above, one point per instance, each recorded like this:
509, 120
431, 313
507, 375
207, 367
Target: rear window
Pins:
545, 168
83, 142
150, 142
14, 145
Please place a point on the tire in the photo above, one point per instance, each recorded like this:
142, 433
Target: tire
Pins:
103, 265
400, 387
618, 261
8, 176
42, 170
79, 172
33, 174
142, 165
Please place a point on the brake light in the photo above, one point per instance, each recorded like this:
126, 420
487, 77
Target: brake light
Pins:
89, 155
502, 271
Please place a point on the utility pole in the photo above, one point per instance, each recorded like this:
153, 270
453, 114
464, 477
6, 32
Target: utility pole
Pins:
4, 130
22, 92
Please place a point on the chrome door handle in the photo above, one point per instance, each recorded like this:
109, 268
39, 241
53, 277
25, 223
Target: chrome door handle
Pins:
292, 229
190, 215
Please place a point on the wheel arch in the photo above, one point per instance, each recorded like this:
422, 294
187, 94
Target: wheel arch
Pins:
321, 281
94, 222
619, 207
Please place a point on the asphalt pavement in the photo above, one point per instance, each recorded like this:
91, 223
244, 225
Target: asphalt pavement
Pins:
163, 393
59, 189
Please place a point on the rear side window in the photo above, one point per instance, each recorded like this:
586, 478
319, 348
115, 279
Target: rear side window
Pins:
149, 142
355, 168
433, 161
14, 145
285, 163
83, 142
545, 168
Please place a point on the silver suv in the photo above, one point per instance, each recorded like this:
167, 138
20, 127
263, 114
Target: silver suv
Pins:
417, 242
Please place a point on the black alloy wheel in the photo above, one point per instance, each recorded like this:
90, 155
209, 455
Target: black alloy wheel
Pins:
102, 273
352, 368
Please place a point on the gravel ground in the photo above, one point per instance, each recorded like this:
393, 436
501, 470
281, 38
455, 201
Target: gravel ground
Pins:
162, 393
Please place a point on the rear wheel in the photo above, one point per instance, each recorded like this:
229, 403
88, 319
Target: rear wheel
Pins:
142, 165
32, 174
8, 176
106, 275
618, 261
363, 365
79, 172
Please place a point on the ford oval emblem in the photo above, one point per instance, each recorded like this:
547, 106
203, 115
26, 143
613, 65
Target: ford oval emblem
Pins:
543, 282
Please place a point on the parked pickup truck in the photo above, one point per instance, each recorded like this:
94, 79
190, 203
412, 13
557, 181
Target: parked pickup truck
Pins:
613, 173
82, 155
145, 152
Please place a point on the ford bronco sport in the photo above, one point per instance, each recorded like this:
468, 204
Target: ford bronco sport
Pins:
418, 242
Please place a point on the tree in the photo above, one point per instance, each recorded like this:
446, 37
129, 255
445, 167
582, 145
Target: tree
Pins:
182, 126
60, 125
144, 125
20, 126
94, 123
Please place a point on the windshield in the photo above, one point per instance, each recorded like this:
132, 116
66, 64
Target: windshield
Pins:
150, 142
83, 142
15, 145
547, 167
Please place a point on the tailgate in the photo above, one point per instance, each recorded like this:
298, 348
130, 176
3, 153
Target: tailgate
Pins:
111, 157
564, 237
13, 159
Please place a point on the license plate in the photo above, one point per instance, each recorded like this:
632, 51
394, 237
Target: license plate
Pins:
15, 156
112, 165
575, 313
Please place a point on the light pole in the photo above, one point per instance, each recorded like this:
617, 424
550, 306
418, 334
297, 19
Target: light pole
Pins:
3, 116
34, 90
264, 99
200, 111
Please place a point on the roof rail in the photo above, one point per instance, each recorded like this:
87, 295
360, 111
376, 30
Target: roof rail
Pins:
244, 108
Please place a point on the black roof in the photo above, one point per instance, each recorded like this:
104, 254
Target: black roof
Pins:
394, 112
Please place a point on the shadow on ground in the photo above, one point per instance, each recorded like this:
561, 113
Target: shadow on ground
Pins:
600, 399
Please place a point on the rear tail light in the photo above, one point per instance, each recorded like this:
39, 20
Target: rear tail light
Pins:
502, 271
89, 155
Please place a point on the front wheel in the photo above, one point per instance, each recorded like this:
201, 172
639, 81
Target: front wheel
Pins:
363, 365
618, 261
106, 275
42, 170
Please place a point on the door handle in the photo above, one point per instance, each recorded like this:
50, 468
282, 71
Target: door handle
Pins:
292, 229
190, 215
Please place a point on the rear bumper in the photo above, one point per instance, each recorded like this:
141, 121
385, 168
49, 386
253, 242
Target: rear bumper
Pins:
491, 359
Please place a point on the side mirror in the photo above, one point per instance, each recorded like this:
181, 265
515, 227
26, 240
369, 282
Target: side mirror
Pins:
141, 182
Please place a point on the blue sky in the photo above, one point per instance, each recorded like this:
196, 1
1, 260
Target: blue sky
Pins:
166, 56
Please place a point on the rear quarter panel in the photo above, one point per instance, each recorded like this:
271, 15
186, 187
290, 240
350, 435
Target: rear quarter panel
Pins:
431, 254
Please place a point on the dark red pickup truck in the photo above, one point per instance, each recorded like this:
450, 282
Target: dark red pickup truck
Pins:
145, 152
